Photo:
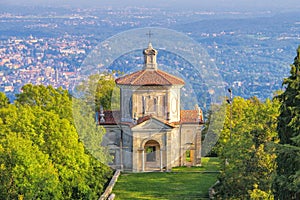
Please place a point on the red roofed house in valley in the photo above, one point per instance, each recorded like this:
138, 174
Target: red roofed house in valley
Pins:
150, 132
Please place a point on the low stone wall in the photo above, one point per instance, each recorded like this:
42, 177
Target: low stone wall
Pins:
106, 195
211, 191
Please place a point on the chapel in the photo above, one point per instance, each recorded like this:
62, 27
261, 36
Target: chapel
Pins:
150, 132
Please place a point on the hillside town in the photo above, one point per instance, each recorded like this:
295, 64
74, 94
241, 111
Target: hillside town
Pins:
46, 61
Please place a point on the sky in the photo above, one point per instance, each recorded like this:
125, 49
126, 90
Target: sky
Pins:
175, 4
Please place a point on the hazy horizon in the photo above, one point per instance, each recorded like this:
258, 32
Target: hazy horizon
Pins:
235, 5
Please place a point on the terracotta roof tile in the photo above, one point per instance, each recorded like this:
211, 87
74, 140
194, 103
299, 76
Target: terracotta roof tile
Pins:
149, 77
190, 116
143, 119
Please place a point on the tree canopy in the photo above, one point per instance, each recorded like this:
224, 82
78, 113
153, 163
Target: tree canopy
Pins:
100, 90
41, 153
4, 101
249, 154
262, 158
287, 184
47, 98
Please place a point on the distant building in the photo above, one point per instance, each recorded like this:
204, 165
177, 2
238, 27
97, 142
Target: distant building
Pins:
150, 132
56, 75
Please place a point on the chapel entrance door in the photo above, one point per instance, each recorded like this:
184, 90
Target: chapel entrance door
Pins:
152, 155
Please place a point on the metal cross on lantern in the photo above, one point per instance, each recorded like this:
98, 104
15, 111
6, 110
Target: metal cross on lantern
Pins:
149, 35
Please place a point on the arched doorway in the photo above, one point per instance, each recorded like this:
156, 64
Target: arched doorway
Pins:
152, 156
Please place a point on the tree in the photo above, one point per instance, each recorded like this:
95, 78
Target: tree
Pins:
40, 123
287, 183
100, 90
4, 101
26, 172
77, 111
47, 98
249, 155
89, 132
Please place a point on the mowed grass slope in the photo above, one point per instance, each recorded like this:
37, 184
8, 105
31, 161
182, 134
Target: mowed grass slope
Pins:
208, 165
181, 183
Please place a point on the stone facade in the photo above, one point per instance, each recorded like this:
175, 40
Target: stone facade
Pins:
150, 132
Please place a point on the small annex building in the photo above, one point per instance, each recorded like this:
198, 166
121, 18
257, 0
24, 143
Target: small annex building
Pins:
150, 132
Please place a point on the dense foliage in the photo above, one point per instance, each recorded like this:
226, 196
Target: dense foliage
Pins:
287, 184
41, 154
100, 90
249, 153
260, 145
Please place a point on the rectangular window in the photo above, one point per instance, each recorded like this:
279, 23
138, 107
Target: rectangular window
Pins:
113, 158
188, 155
143, 105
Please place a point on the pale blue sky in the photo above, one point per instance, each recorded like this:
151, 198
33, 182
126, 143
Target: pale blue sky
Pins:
198, 4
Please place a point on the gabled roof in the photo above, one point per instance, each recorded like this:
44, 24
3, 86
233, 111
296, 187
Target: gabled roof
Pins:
149, 78
152, 123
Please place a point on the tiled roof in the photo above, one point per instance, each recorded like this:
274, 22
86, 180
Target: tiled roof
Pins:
143, 119
110, 117
190, 116
186, 117
149, 77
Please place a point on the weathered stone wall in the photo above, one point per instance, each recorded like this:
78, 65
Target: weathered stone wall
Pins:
190, 140
112, 140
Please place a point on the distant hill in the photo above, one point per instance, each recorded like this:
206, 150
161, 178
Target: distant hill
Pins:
252, 50
252, 54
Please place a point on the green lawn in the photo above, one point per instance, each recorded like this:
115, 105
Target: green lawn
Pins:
183, 184
208, 165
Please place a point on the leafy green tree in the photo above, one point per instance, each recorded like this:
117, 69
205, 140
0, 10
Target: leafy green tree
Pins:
100, 90
287, 184
26, 172
4, 101
47, 98
77, 111
249, 154
38, 119
57, 138
89, 132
